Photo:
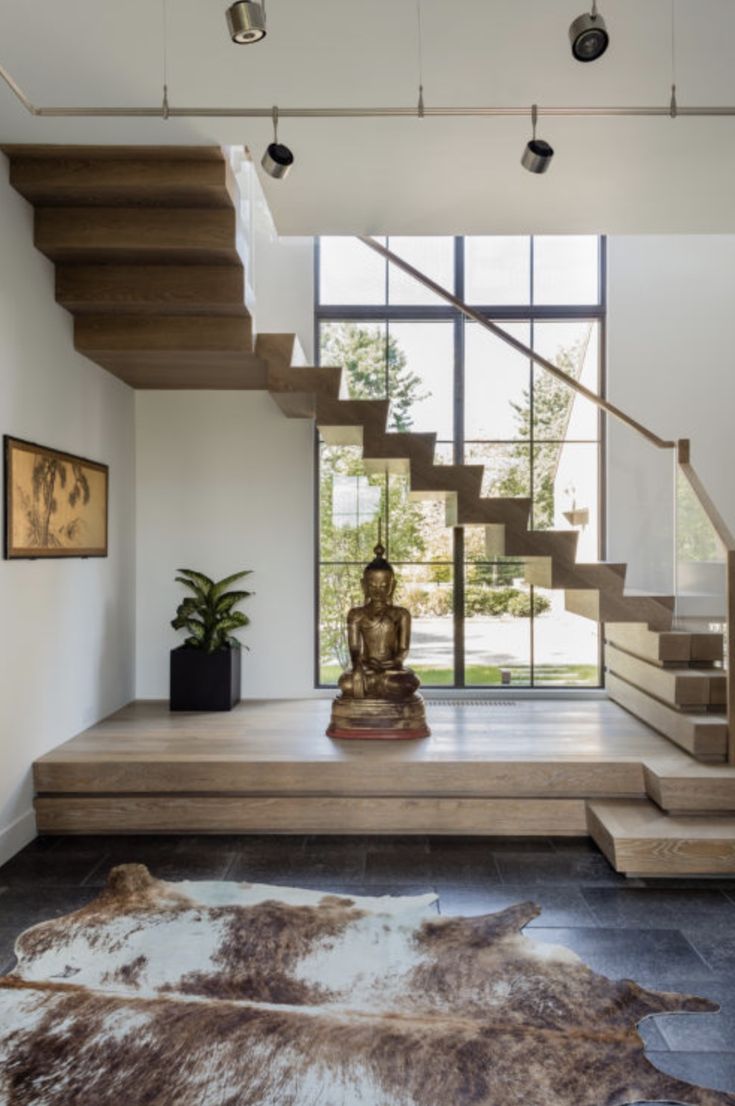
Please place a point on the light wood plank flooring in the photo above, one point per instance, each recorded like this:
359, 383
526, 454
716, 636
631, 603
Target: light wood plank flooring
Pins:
526, 767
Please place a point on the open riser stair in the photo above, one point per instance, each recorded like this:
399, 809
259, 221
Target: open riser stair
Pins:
148, 254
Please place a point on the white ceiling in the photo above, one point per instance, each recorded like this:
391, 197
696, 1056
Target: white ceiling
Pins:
408, 176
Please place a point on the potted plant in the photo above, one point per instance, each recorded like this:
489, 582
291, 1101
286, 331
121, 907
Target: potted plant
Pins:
205, 670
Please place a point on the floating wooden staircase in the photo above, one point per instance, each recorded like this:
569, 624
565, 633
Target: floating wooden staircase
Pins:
148, 261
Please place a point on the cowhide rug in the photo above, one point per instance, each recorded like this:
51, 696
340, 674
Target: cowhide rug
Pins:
224, 994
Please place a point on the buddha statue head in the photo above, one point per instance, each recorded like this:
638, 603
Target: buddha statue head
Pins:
379, 580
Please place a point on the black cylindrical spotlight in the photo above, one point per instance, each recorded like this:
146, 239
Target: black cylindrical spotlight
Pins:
277, 160
537, 154
246, 21
588, 36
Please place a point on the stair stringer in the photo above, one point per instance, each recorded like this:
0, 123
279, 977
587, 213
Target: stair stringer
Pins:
311, 392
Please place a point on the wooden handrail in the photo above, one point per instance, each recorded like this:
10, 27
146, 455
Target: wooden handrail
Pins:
498, 331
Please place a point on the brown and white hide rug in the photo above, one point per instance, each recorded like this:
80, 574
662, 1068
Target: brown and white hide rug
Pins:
225, 994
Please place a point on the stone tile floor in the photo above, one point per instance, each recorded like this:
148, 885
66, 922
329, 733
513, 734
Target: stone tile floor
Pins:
666, 934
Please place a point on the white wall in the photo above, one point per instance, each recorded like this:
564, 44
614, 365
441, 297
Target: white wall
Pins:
225, 483
67, 640
671, 365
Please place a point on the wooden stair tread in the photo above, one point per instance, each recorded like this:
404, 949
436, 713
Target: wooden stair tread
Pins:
702, 735
83, 181
678, 686
691, 786
151, 289
600, 606
640, 839
669, 646
130, 235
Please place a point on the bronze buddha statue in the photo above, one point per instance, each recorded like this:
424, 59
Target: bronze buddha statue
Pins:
378, 692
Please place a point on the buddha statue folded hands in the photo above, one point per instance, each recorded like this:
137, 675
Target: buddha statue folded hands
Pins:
378, 692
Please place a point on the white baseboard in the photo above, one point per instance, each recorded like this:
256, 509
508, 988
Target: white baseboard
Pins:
17, 835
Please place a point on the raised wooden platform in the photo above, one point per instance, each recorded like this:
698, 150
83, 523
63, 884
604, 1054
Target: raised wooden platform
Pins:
517, 767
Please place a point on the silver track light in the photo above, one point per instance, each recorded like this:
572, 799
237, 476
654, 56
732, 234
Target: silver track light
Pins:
588, 36
537, 154
277, 159
246, 21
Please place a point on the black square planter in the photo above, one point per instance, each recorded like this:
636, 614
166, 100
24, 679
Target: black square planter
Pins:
204, 681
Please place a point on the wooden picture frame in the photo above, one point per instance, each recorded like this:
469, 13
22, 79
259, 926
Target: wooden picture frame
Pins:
56, 503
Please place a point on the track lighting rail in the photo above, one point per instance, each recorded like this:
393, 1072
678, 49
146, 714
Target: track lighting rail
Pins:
653, 110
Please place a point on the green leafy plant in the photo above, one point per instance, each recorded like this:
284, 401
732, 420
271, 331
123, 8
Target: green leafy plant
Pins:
209, 613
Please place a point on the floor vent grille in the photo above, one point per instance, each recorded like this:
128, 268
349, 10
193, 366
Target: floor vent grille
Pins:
472, 702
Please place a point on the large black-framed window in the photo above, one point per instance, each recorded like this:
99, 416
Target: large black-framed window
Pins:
480, 619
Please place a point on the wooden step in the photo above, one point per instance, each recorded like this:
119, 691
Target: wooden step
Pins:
490, 512
100, 176
511, 541
641, 840
680, 687
683, 787
655, 611
297, 396
130, 235
170, 352
435, 481
395, 452
702, 735
545, 572
151, 289
343, 421
283, 352
665, 647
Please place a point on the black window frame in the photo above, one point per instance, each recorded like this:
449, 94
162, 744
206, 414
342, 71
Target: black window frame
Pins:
531, 313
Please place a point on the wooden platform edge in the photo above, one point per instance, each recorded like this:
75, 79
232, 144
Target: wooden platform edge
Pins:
324, 815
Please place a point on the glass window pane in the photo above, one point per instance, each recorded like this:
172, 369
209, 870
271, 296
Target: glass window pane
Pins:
339, 589
432, 256
497, 626
421, 377
427, 591
497, 270
507, 467
350, 272
360, 349
558, 412
415, 529
350, 502
565, 492
566, 646
565, 269
497, 381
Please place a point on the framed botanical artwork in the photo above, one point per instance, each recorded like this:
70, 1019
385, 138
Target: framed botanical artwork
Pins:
55, 503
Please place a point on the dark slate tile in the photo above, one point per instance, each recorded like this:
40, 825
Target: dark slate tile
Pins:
7, 954
628, 953
24, 906
652, 1036
397, 867
581, 845
70, 865
559, 907
688, 883
715, 1070
454, 864
481, 846
172, 859
567, 868
649, 908
411, 844
715, 943
297, 872
699, 1032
